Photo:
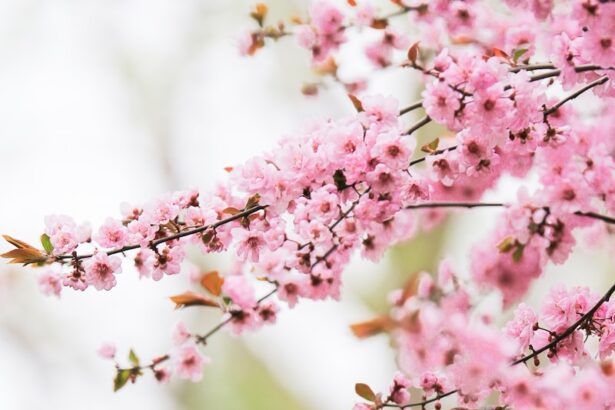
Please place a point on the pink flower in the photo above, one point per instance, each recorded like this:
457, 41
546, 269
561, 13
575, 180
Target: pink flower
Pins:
521, 328
162, 374
249, 244
181, 334
100, 270
168, 261
65, 234
379, 111
246, 43
393, 151
239, 289
268, 312
289, 291
564, 307
441, 103
399, 389
491, 110
189, 363
50, 283
112, 234
107, 351
512, 275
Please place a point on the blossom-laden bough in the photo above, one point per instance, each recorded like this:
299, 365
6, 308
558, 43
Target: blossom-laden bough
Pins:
294, 216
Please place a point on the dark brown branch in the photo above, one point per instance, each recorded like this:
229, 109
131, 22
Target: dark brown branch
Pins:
244, 213
575, 94
438, 152
468, 205
421, 123
411, 107
421, 403
570, 330
538, 77
533, 67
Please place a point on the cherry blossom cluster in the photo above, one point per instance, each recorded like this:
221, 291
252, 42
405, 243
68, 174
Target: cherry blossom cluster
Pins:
502, 80
450, 351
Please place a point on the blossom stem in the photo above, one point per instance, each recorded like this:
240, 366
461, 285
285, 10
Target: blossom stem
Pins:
455, 205
438, 152
421, 123
411, 107
575, 94
421, 403
593, 215
152, 365
570, 330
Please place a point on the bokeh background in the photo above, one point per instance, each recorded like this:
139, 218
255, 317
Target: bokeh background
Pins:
105, 101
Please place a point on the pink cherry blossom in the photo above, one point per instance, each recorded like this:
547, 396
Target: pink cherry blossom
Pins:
100, 270
112, 234
107, 351
189, 363
241, 292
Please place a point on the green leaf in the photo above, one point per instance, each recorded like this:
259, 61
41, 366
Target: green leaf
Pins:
507, 244
121, 378
518, 53
365, 391
340, 180
518, 253
46, 242
134, 359
252, 201
208, 236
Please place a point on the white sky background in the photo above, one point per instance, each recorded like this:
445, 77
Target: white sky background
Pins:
120, 100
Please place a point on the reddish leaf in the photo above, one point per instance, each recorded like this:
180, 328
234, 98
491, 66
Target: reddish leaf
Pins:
230, 210
379, 24
356, 103
500, 53
461, 40
25, 256
413, 52
309, 89
259, 12
410, 288
17, 243
212, 282
371, 327
328, 67
353, 3
228, 169
192, 299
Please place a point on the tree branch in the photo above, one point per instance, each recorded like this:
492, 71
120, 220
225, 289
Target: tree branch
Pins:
575, 94
244, 213
422, 122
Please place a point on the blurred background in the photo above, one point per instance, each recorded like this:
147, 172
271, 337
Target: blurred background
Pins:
106, 101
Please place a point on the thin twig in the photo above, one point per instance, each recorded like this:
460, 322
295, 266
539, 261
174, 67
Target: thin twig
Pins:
422, 122
570, 330
239, 215
575, 94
